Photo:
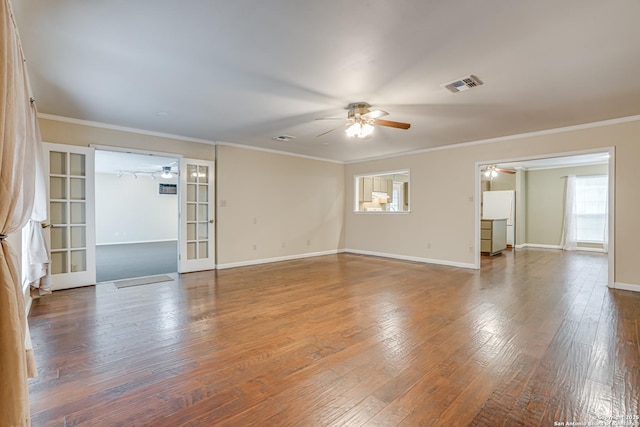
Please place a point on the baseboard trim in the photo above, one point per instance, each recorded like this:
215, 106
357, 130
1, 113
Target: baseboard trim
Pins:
584, 249
558, 247
412, 258
137, 242
538, 246
625, 286
276, 259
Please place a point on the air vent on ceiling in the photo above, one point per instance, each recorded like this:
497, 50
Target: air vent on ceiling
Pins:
463, 84
283, 138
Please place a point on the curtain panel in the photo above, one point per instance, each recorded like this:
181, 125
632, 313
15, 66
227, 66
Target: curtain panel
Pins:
570, 226
19, 144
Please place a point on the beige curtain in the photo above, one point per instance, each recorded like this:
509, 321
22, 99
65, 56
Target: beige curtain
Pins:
18, 146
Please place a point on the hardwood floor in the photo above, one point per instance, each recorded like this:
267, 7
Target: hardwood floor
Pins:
534, 337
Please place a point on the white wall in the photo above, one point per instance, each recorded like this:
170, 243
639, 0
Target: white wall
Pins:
131, 210
275, 206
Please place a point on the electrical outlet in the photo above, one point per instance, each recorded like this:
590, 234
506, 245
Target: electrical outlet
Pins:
255, 247
283, 245
429, 245
308, 242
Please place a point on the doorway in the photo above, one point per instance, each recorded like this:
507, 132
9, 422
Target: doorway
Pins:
136, 213
539, 185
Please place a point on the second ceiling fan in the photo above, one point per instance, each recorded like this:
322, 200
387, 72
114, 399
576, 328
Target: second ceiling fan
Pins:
491, 171
361, 121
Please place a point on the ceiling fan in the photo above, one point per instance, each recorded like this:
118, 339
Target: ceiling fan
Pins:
491, 171
166, 172
361, 121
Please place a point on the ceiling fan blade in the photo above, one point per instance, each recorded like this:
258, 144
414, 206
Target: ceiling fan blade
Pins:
331, 118
391, 124
506, 171
375, 114
331, 130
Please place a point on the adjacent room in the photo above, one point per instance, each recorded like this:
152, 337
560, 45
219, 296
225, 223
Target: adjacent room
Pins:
551, 203
370, 213
136, 215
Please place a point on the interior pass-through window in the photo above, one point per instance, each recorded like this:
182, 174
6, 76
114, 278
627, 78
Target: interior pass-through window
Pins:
382, 192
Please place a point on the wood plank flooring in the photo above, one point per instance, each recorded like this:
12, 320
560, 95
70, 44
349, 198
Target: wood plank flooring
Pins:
533, 338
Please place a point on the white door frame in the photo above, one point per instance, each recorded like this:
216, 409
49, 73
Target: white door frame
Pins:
203, 265
178, 157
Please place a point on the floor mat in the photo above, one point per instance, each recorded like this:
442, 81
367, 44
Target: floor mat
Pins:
142, 281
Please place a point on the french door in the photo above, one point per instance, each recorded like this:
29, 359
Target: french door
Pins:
197, 209
71, 233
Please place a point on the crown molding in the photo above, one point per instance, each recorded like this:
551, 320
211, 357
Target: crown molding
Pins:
504, 138
122, 128
388, 156
272, 151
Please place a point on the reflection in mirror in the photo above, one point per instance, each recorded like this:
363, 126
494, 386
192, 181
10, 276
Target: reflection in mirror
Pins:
382, 192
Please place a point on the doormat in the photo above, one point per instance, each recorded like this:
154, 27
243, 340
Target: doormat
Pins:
141, 281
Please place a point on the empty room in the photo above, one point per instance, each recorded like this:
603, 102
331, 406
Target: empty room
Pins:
293, 213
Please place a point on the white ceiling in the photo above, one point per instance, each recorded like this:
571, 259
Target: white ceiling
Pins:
245, 71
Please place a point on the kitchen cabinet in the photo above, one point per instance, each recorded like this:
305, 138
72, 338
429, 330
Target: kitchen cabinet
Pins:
379, 184
493, 236
369, 184
366, 187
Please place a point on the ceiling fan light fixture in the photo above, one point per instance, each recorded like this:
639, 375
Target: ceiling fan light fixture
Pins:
367, 130
166, 172
359, 130
491, 171
353, 130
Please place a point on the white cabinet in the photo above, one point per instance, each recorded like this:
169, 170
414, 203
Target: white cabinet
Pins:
493, 236
369, 184
365, 188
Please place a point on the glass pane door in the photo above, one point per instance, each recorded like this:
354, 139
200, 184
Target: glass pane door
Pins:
71, 235
197, 216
